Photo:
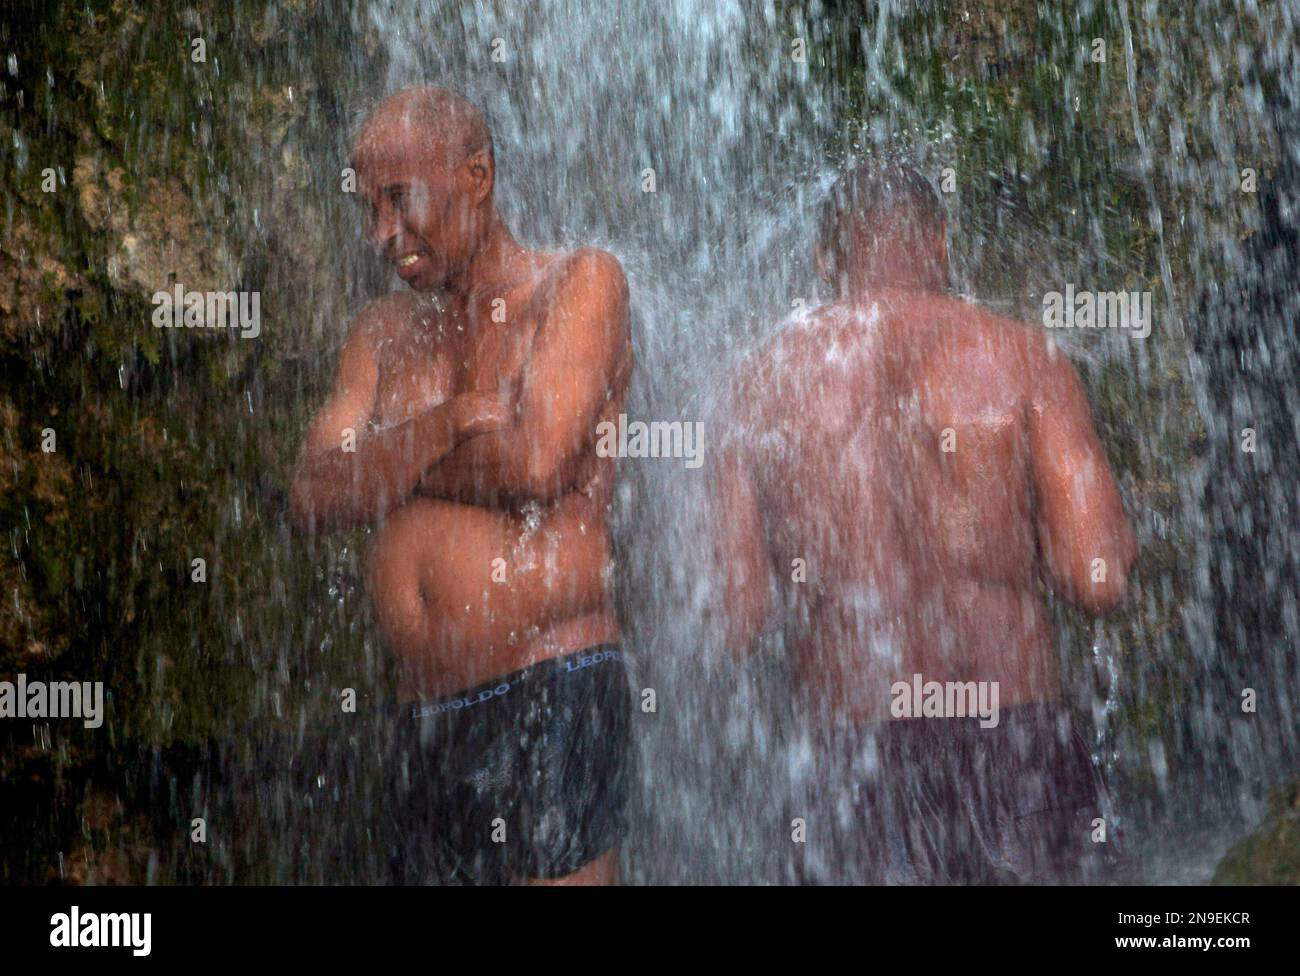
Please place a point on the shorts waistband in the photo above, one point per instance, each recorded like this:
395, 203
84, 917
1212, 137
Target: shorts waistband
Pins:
500, 688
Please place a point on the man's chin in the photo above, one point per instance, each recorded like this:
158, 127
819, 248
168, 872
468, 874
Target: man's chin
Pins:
422, 274
425, 282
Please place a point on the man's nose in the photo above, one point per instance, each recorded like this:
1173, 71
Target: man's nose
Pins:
382, 228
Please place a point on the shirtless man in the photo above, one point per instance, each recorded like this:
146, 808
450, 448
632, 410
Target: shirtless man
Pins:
930, 463
462, 422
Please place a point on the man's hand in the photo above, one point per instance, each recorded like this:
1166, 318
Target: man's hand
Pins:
473, 413
483, 412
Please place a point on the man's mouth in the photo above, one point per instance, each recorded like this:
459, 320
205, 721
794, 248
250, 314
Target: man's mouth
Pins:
407, 261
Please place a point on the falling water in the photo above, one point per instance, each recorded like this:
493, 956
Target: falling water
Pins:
694, 140
742, 139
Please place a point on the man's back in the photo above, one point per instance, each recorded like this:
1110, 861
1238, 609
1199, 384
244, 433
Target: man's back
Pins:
900, 445
909, 466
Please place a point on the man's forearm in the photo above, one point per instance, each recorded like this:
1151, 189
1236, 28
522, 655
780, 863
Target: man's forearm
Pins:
482, 469
339, 488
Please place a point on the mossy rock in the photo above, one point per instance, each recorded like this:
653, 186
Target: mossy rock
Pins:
1270, 855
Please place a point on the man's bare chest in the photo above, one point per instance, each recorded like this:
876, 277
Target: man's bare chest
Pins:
431, 360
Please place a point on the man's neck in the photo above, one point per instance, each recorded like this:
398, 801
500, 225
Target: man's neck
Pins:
495, 263
930, 281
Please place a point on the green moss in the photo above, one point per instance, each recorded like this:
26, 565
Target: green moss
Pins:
1270, 855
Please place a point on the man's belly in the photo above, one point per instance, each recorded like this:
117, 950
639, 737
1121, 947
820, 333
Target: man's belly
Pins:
853, 648
466, 594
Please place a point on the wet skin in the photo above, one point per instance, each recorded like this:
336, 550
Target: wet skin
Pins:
475, 577
474, 399
918, 560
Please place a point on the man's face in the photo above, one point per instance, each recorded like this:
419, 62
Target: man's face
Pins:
415, 213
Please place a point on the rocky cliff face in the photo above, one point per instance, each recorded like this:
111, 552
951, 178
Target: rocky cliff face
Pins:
133, 160
1271, 854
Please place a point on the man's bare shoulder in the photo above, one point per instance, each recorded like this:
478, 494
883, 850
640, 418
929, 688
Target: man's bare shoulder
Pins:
827, 336
1036, 346
976, 348
586, 279
383, 318
977, 321
590, 270
815, 355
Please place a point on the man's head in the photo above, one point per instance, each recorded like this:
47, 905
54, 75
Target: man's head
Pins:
425, 172
883, 225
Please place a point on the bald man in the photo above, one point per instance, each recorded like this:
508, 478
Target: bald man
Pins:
905, 467
462, 423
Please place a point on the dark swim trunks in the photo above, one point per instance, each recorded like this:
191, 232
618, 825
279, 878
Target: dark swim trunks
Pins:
938, 801
524, 777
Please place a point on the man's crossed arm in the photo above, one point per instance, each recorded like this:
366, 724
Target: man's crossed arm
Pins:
581, 357
350, 472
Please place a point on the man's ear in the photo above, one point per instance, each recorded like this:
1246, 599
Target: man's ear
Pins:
478, 176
